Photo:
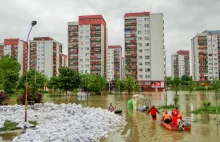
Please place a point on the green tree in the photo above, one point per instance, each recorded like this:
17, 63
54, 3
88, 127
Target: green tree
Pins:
96, 83
185, 80
130, 84
215, 84
68, 79
191, 86
138, 88
168, 81
120, 85
40, 79
176, 84
9, 73
53, 83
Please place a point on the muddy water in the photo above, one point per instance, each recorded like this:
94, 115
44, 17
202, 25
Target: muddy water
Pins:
140, 128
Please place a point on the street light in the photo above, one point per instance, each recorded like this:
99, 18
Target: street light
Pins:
33, 23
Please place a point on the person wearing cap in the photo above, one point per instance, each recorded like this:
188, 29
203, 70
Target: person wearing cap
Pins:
153, 112
175, 114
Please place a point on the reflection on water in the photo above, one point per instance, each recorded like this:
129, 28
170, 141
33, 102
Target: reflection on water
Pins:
140, 127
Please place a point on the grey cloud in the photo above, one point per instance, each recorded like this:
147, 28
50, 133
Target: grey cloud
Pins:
183, 18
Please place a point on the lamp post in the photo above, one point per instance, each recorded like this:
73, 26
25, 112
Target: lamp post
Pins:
33, 23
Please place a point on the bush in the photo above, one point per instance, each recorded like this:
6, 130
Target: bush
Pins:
8, 126
3, 98
43, 91
31, 99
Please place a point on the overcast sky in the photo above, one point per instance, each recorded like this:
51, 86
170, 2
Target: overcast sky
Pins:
183, 19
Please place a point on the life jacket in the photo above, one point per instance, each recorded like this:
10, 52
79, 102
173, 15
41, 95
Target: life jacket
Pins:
153, 111
175, 113
166, 116
111, 108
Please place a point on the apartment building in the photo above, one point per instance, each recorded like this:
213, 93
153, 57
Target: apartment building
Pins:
205, 54
114, 62
180, 64
45, 55
16, 48
144, 49
64, 60
87, 45
123, 68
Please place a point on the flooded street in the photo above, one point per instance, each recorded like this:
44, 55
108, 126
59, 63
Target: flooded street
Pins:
140, 127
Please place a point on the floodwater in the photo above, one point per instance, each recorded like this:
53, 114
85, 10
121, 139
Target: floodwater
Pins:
140, 127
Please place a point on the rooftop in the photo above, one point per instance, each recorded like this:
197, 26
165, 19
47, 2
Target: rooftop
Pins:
214, 32
136, 14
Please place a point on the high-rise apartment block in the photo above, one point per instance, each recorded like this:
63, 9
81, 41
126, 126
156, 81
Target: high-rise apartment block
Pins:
45, 55
87, 45
123, 68
114, 62
205, 49
144, 49
64, 60
180, 63
16, 48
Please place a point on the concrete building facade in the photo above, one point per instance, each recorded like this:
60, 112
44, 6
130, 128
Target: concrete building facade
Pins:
114, 62
45, 55
87, 45
180, 64
144, 49
205, 56
16, 48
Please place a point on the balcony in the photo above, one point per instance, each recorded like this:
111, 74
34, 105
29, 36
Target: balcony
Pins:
75, 57
133, 60
95, 45
95, 62
93, 39
75, 40
75, 63
75, 45
95, 33
93, 56
133, 41
95, 28
133, 73
130, 23
95, 51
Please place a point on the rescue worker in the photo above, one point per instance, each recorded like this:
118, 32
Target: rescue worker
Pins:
153, 112
166, 117
111, 108
175, 114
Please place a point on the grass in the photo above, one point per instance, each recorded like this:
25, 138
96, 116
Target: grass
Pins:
166, 107
10, 126
206, 110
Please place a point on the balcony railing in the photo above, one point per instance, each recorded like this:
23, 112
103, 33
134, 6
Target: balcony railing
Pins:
95, 28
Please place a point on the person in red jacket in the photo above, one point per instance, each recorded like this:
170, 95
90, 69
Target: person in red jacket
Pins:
175, 114
153, 111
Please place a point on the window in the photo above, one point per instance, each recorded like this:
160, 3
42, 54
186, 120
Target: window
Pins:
87, 65
140, 69
139, 38
81, 37
139, 44
87, 37
147, 69
140, 76
81, 31
87, 48
139, 32
140, 64
146, 38
147, 76
146, 19
87, 60
147, 57
140, 57
146, 25
147, 44
139, 19
146, 31
139, 25
147, 63
140, 50
81, 60
87, 42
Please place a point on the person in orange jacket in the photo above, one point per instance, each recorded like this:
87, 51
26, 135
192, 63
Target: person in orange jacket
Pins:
153, 112
175, 114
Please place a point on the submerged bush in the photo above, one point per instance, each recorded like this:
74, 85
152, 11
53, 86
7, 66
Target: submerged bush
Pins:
3, 98
37, 98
